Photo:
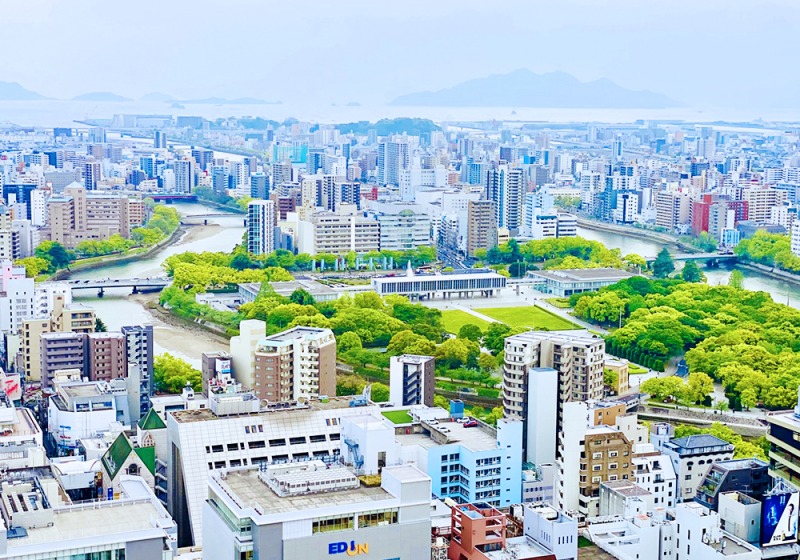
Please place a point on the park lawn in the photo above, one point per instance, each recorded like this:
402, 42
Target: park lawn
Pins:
561, 303
529, 316
398, 416
454, 319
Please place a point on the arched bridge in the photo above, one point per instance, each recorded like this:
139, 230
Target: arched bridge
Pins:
153, 284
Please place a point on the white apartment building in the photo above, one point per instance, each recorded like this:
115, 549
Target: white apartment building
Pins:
654, 473
699, 536
261, 223
21, 443
404, 229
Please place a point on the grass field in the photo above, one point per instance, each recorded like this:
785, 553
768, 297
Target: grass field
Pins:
529, 316
398, 416
454, 319
561, 303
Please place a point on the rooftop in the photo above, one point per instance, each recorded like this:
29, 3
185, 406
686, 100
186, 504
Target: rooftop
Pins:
294, 334
698, 442
583, 274
203, 414
739, 464
474, 439
247, 490
625, 488
519, 547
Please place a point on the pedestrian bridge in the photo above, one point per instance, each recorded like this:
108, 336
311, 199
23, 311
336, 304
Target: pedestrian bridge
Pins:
152, 284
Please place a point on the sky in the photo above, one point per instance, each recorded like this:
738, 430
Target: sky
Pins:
704, 53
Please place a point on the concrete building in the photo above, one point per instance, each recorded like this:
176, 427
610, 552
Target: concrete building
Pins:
624, 498
261, 223
691, 457
672, 209
214, 365
699, 536
761, 200
139, 357
403, 231
21, 440
243, 350
17, 296
345, 230
106, 356
293, 364
577, 356
43, 522
411, 380
564, 283
747, 476
481, 226
61, 351
653, 471
463, 283
77, 216
289, 521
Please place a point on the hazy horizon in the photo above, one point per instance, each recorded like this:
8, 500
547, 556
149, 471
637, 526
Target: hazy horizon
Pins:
710, 54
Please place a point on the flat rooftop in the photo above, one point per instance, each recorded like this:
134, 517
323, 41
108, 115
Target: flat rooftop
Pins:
95, 520
293, 334
81, 390
519, 547
203, 414
474, 439
626, 488
583, 274
248, 491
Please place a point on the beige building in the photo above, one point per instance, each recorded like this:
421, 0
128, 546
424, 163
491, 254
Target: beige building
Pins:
672, 209
761, 200
78, 215
74, 317
10, 242
106, 356
137, 214
481, 226
345, 230
298, 363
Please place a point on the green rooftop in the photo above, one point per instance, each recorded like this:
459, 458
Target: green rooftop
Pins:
120, 450
151, 421
398, 416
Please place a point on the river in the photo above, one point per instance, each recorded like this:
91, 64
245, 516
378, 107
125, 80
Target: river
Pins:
755, 281
117, 308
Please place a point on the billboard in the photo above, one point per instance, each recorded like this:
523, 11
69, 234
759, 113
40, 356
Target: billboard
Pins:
779, 514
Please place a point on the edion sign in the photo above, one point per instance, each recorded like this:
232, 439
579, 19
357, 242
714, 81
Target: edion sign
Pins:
351, 548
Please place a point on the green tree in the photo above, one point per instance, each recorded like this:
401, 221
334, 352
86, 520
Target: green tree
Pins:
663, 265
349, 341
452, 353
403, 340
698, 387
610, 377
736, 280
241, 261
470, 332
302, 297
34, 266
171, 374
487, 362
634, 261
691, 272
99, 325
55, 253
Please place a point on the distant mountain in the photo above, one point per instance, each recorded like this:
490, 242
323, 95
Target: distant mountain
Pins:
223, 101
157, 97
523, 88
12, 91
102, 96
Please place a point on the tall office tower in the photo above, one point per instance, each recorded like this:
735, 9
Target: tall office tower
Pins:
577, 356
481, 226
392, 158
314, 163
148, 165
184, 175
259, 185
240, 173
298, 363
19, 193
139, 357
251, 162
92, 175
616, 150
411, 380
97, 135
160, 140
261, 227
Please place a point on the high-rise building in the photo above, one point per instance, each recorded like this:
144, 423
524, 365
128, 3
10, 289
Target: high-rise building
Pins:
79, 215
393, 157
92, 175
506, 188
481, 226
411, 380
577, 356
160, 140
139, 358
672, 209
300, 362
261, 222
61, 351
345, 230
184, 175
259, 185
203, 158
403, 229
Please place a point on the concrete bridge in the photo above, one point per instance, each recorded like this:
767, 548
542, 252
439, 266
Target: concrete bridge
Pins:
154, 284
717, 257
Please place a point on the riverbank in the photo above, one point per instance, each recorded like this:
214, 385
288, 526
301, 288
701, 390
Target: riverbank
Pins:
219, 206
772, 272
149, 302
637, 233
133, 255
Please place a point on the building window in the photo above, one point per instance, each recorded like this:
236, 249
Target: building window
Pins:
333, 523
377, 518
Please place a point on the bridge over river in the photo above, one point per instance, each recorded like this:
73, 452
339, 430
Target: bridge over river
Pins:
154, 284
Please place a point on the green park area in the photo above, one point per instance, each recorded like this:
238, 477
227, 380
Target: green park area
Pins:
529, 317
398, 416
454, 319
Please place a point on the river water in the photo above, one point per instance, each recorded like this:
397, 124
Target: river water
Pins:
755, 281
117, 309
